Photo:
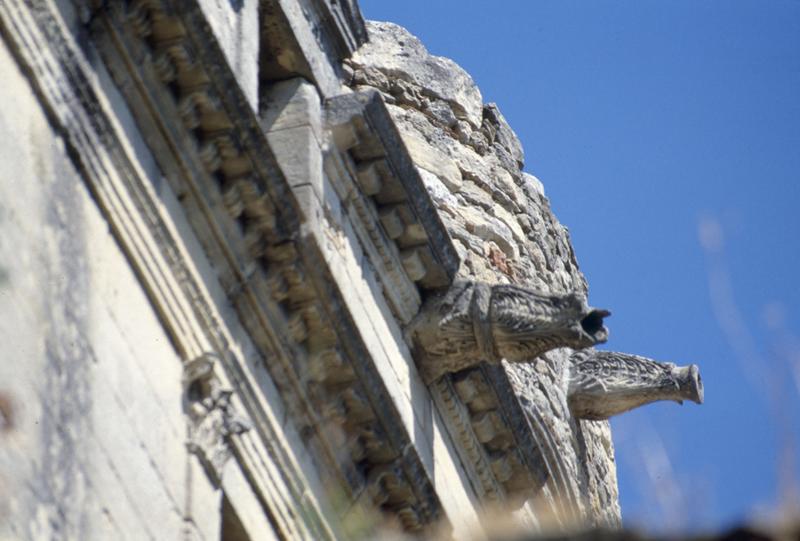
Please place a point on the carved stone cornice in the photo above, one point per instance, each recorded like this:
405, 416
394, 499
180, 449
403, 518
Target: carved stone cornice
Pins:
387, 201
502, 460
474, 456
210, 144
500, 426
363, 127
343, 22
309, 38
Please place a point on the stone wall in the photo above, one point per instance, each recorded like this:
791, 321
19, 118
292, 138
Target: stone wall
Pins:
94, 384
107, 302
503, 228
218, 222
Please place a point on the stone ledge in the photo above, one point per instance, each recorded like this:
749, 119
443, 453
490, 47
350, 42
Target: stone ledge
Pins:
377, 138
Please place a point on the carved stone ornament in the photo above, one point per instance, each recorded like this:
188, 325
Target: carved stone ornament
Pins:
606, 383
212, 417
475, 321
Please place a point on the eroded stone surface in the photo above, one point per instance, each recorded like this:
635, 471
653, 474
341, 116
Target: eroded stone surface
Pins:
475, 322
606, 383
400, 63
505, 232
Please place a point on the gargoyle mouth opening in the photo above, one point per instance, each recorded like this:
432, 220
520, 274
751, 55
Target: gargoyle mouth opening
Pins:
696, 383
592, 324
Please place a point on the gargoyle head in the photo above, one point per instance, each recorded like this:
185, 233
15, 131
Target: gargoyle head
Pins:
690, 384
592, 331
476, 321
527, 323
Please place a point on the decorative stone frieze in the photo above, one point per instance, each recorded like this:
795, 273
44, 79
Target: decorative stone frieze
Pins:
500, 426
252, 221
474, 321
606, 383
131, 195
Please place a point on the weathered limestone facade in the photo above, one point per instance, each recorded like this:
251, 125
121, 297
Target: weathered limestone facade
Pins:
502, 226
269, 271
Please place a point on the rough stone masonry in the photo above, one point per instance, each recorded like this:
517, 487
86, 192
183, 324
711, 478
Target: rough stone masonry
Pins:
505, 232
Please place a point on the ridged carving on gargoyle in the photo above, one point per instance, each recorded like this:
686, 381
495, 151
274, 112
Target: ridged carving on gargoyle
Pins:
475, 321
606, 383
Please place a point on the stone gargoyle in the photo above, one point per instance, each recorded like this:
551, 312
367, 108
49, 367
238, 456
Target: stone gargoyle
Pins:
606, 383
475, 321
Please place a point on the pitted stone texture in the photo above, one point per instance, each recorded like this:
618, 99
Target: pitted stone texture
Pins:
431, 158
505, 232
502, 133
601, 478
498, 204
414, 76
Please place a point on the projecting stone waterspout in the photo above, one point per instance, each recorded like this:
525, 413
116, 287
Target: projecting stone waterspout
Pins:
606, 383
475, 321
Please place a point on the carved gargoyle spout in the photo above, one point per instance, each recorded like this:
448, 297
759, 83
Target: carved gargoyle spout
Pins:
606, 383
475, 321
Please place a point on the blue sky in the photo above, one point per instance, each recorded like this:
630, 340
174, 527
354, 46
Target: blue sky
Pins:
667, 136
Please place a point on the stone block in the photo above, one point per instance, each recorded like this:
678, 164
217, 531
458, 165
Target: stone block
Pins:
392, 221
413, 264
369, 177
290, 104
435, 161
510, 221
438, 191
503, 134
490, 228
532, 184
299, 155
236, 27
394, 51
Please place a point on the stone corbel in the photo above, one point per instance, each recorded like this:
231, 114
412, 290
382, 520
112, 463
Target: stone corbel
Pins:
212, 418
606, 383
475, 321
